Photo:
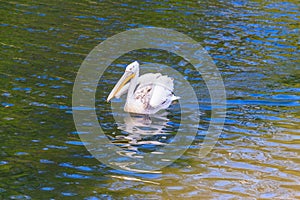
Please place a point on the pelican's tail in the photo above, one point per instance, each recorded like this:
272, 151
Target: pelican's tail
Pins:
173, 98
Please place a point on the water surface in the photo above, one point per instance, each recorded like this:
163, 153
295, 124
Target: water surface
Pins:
255, 45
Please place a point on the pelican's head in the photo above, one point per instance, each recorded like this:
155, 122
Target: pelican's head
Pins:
132, 67
131, 71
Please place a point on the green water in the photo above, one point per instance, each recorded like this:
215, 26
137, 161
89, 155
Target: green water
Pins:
255, 45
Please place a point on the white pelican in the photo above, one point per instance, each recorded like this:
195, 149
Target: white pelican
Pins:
147, 94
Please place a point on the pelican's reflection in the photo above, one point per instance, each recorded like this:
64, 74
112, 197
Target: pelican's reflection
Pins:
142, 130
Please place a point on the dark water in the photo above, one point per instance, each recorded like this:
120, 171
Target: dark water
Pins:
255, 45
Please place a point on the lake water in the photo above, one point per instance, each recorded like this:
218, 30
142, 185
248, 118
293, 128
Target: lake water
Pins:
254, 44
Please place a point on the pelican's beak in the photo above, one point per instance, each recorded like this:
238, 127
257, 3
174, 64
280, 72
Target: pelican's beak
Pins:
123, 80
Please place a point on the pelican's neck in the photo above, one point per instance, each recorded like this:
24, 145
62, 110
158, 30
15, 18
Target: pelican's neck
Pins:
132, 85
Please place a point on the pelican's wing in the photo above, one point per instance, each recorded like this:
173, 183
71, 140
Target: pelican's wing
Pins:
162, 91
155, 92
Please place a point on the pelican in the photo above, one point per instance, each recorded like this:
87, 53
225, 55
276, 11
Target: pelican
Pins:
146, 94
